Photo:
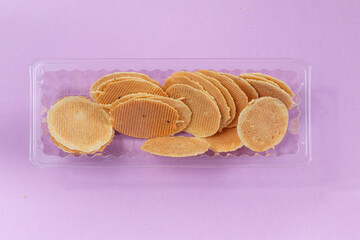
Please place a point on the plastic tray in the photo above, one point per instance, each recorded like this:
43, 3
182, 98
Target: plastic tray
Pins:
52, 79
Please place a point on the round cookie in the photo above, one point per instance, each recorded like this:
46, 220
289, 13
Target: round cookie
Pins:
280, 83
144, 118
226, 141
116, 90
78, 125
214, 92
205, 120
239, 97
250, 92
265, 89
114, 75
176, 146
263, 123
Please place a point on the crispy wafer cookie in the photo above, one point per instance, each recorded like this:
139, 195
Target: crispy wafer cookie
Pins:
114, 75
183, 110
116, 90
205, 120
214, 92
239, 97
79, 125
102, 86
228, 98
176, 146
225, 141
250, 76
263, 124
181, 80
144, 118
250, 92
280, 83
265, 89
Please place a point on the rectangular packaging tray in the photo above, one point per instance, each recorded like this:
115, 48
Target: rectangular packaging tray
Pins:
52, 79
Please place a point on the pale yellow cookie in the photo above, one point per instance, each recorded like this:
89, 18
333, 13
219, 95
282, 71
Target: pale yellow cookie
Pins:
226, 141
79, 125
205, 119
176, 146
263, 124
144, 118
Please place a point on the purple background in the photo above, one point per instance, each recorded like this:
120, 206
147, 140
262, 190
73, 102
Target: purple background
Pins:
320, 201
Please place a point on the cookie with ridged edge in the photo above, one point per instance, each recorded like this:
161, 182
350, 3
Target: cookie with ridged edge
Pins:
265, 89
78, 125
263, 123
239, 97
280, 83
205, 119
116, 90
176, 146
214, 92
226, 141
250, 92
144, 118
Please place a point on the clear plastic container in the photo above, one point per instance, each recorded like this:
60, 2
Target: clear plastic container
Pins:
52, 79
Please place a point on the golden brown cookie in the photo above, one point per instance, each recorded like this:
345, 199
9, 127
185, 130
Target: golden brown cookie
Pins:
181, 80
250, 92
116, 90
251, 76
224, 91
214, 92
176, 146
205, 120
79, 125
280, 83
239, 97
144, 118
183, 110
114, 75
109, 106
225, 141
265, 89
263, 124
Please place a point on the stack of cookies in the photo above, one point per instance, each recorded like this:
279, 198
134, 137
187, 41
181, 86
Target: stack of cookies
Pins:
222, 112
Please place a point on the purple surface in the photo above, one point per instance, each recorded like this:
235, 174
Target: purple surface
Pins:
320, 201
